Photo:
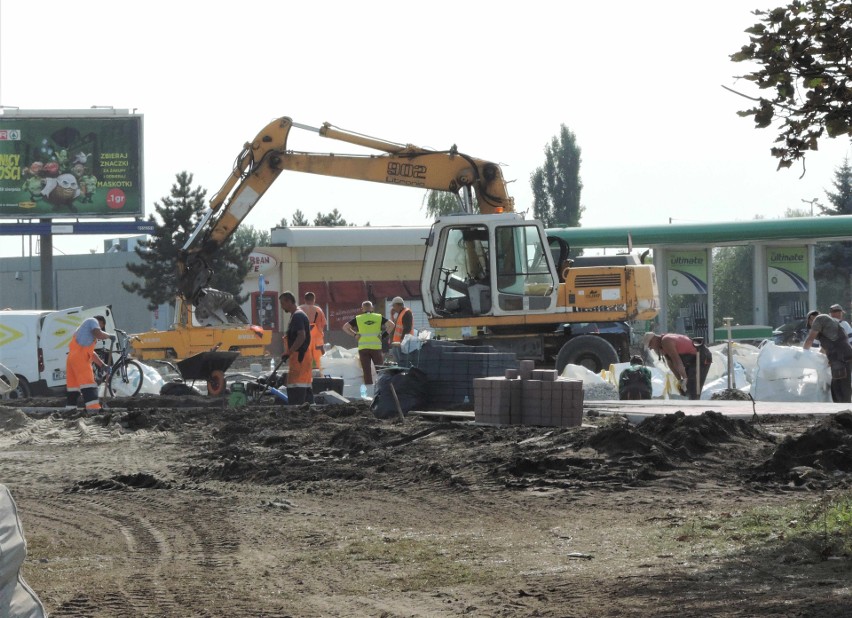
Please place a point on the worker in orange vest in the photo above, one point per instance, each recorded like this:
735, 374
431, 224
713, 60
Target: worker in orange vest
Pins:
297, 354
403, 320
318, 325
80, 377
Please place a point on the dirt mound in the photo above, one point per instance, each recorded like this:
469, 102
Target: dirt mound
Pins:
731, 394
692, 436
817, 455
619, 438
354, 440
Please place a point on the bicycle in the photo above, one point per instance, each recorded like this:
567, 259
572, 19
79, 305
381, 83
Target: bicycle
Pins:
124, 376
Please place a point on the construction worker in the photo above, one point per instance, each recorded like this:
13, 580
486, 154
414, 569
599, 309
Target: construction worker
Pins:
688, 359
367, 328
835, 345
297, 352
837, 312
316, 316
79, 375
635, 381
403, 320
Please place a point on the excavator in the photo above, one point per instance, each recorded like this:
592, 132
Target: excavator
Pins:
493, 273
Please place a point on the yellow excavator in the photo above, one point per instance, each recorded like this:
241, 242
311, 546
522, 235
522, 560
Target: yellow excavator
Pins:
492, 272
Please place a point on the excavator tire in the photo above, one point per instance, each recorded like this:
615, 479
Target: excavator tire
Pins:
216, 383
592, 352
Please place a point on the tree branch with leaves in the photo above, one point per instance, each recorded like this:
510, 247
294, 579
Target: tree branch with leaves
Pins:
803, 52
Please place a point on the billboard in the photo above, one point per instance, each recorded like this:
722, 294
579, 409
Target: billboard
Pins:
75, 166
688, 272
787, 269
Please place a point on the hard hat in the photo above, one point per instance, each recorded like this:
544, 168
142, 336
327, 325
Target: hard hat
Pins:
646, 339
397, 300
836, 307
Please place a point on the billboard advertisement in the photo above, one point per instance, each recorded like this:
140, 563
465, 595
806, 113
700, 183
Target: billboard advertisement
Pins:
76, 166
688, 272
787, 269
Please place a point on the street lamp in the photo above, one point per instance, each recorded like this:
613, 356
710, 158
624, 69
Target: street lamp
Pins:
812, 202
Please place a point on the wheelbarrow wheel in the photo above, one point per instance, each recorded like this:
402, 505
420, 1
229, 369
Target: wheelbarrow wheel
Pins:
216, 383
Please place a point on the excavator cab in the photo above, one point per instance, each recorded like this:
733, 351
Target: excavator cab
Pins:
488, 265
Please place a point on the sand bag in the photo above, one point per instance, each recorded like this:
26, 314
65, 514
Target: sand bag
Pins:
17, 600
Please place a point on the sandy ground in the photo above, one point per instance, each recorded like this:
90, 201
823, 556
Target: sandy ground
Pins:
179, 507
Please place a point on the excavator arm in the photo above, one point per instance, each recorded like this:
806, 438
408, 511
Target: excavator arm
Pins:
265, 157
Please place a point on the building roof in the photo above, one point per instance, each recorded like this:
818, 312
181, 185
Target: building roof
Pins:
345, 236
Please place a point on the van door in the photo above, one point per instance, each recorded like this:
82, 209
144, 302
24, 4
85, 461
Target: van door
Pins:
18, 342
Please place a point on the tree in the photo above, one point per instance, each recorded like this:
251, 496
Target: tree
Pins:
299, 219
440, 203
841, 201
792, 213
803, 52
556, 185
833, 260
732, 283
180, 213
332, 219
246, 236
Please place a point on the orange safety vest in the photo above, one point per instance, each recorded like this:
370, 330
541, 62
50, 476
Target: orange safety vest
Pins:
397, 329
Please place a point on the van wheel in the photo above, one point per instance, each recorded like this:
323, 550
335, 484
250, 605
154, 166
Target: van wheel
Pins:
23, 391
589, 351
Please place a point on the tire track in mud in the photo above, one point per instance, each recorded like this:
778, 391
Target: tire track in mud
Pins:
171, 552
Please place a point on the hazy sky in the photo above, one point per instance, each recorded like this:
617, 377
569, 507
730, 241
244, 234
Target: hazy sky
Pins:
639, 83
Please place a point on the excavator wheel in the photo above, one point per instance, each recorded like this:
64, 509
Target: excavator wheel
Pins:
590, 351
216, 383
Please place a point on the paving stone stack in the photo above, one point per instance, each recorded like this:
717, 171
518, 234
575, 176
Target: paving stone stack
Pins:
528, 396
451, 369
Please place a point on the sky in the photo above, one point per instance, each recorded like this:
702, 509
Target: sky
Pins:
640, 84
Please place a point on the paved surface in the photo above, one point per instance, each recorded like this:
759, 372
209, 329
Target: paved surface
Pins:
638, 410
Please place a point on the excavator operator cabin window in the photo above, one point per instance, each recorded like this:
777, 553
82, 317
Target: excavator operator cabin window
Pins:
524, 279
459, 283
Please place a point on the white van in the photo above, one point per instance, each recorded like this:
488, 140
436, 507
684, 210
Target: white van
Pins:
34, 346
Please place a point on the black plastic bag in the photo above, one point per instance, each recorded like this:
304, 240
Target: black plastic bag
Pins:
411, 390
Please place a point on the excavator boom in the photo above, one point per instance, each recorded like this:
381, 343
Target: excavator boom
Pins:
265, 157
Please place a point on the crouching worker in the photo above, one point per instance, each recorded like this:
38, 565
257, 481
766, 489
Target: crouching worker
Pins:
688, 359
635, 380
298, 355
80, 377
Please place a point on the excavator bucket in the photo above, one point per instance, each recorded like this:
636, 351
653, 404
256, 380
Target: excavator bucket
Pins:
218, 307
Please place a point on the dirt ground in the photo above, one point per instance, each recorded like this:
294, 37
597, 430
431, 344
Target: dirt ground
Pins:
180, 507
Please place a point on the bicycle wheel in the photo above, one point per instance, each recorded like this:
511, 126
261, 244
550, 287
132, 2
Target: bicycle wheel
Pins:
126, 379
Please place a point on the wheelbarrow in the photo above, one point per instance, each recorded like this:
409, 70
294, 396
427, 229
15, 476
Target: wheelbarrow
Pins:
208, 366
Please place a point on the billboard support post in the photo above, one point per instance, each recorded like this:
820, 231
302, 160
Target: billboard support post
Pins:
46, 262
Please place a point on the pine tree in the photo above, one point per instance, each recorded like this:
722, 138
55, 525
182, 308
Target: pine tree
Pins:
176, 218
833, 260
332, 219
299, 219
